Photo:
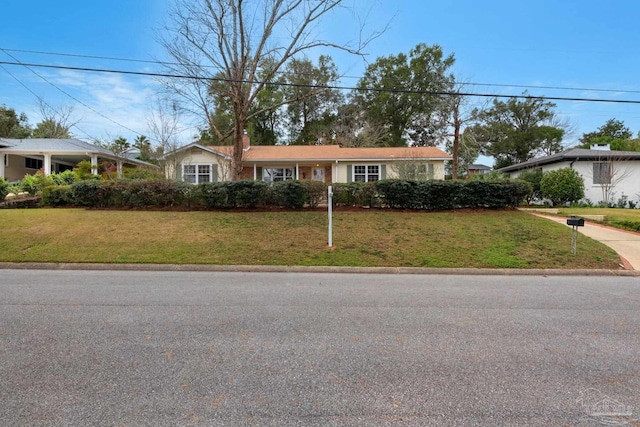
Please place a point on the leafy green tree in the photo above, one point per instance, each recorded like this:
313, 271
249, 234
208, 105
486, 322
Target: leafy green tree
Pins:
516, 131
13, 125
562, 186
313, 108
399, 101
612, 130
49, 128
147, 154
56, 123
533, 177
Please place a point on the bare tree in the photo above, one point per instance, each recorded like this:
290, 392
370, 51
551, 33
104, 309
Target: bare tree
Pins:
221, 45
609, 172
164, 123
461, 145
56, 123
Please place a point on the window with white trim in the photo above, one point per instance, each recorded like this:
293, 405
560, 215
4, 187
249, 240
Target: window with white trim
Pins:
601, 173
196, 173
277, 174
366, 173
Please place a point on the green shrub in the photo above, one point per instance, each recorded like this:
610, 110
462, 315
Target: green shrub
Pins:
213, 195
533, 177
89, 193
397, 193
4, 188
32, 184
355, 194
247, 193
316, 192
562, 186
288, 194
64, 178
446, 195
57, 195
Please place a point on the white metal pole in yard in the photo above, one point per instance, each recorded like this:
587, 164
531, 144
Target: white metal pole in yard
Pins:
330, 209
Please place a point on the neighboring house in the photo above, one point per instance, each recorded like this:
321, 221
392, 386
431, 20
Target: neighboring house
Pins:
20, 157
197, 163
477, 169
607, 175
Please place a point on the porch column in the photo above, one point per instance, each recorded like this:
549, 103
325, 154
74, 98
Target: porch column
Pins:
47, 164
255, 172
297, 172
2, 160
94, 164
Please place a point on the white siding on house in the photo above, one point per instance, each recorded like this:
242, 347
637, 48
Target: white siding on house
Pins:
625, 174
195, 156
341, 171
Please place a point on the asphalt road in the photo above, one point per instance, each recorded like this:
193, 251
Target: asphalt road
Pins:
80, 348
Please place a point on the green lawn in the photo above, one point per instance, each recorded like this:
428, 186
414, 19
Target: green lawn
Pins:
485, 239
628, 219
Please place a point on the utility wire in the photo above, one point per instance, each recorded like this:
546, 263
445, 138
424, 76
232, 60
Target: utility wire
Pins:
42, 100
111, 58
312, 86
28, 67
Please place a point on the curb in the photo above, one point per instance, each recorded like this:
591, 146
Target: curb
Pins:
318, 269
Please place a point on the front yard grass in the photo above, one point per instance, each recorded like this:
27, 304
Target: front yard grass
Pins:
628, 219
479, 239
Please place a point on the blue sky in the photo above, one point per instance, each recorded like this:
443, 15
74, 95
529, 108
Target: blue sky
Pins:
566, 43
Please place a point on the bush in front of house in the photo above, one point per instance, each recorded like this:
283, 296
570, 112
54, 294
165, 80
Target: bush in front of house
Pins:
562, 186
287, 194
4, 188
446, 195
213, 195
533, 177
90, 193
57, 196
354, 194
246, 193
315, 191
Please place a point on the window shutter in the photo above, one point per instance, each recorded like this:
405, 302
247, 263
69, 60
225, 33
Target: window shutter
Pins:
349, 173
383, 171
214, 173
258, 174
430, 171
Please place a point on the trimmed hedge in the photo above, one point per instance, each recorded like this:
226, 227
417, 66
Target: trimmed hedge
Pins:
4, 188
390, 193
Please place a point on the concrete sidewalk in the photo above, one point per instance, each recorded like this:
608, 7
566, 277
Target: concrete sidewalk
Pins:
625, 243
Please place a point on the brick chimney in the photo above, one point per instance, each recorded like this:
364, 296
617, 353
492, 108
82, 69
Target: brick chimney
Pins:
246, 141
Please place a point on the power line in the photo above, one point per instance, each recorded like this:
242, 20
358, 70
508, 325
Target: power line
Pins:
145, 61
42, 100
338, 87
28, 67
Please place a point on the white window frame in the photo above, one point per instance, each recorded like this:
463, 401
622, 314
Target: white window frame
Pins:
368, 174
196, 174
270, 177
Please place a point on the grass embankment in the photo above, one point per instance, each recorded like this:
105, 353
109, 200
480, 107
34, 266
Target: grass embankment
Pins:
491, 239
626, 219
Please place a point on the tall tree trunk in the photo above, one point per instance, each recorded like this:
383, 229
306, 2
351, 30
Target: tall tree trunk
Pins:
456, 142
238, 148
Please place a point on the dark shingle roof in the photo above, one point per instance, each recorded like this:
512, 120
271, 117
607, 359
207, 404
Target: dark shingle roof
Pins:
573, 154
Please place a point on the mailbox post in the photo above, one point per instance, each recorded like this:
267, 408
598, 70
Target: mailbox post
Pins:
575, 222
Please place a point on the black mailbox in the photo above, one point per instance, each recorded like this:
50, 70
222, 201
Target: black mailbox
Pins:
576, 222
